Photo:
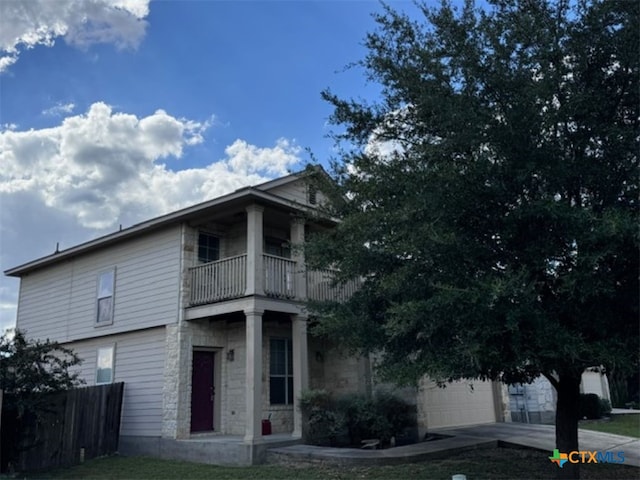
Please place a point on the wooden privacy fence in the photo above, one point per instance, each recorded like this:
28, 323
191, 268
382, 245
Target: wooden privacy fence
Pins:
77, 424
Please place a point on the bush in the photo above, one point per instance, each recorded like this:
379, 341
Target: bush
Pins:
358, 417
593, 407
364, 419
399, 413
321, 420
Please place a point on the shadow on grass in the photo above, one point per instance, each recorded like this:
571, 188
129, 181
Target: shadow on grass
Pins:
498, 463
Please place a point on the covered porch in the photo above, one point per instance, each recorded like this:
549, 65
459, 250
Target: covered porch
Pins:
243, 362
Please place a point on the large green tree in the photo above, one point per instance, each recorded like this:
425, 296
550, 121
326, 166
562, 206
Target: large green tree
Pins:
489, 197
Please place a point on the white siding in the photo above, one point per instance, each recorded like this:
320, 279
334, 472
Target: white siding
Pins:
297, 192
59, 302
139, 362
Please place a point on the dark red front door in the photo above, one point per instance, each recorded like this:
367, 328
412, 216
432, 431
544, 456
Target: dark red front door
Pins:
202, 391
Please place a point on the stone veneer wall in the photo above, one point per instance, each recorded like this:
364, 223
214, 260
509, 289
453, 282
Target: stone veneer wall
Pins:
171, 387
174, 397
317, 352
234, 392
345, 374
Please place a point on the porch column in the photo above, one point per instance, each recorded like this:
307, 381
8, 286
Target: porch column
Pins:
255, 269
297, 254
253, 419
300, 368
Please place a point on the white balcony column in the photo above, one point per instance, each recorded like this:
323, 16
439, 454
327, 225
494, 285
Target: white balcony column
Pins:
297, 254
253, 418
255, 268
300, 368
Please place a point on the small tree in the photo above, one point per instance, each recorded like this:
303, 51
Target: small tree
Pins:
29, 369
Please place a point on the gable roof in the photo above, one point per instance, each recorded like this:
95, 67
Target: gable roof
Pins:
258, 192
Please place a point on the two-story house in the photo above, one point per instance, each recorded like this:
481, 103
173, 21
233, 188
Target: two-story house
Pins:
201, 312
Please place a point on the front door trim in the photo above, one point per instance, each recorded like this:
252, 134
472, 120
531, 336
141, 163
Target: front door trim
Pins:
216, 387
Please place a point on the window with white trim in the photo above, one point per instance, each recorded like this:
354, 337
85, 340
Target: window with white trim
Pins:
104, 365
104, 303
208, 248
280, 372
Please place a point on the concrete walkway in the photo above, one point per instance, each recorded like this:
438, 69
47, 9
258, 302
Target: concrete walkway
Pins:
623, 411
541, 437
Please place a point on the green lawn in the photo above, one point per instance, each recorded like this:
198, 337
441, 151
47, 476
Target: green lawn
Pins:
628, 425
499, 463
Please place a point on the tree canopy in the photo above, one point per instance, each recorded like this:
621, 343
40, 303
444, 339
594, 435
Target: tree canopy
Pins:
489, 198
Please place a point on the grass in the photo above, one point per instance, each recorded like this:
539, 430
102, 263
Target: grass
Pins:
498, 463
628, 424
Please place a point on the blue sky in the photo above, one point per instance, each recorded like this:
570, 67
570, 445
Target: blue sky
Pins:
116, 111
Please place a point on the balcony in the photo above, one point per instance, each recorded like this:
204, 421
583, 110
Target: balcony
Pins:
220, 280
320, 287
226, 279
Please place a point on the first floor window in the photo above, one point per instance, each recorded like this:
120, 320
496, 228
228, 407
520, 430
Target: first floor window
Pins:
106, 288
280, 372
104, 367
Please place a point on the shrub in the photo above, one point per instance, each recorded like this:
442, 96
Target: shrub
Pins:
321, 420
399, 413
382, 416
592, 406
363, 419
605, 406
325, 420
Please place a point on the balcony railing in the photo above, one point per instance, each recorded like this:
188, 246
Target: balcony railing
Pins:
227, 279
220, 280
321, 286
279, 277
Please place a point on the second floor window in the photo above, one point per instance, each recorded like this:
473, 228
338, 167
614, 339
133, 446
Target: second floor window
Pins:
277, 246
106, 288
208, 248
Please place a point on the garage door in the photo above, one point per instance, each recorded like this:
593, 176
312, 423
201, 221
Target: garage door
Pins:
457, 404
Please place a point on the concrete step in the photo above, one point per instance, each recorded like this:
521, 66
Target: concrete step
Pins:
417, 452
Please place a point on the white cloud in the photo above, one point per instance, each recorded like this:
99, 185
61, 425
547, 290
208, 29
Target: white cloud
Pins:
95, 165
243, 157
93, 171
392, 136
58, 109
27, 23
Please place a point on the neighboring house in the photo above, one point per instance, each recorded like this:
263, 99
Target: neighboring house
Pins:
536, 402
201, 313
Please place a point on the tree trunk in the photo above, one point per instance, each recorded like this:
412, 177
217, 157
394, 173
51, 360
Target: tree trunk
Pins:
567, 411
